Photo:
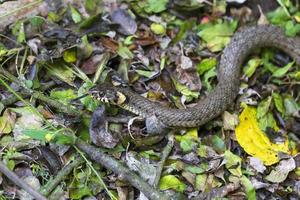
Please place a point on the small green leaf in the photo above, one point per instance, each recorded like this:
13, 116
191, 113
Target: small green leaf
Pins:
263, 107
37, 20
156, 6
37, 134
7, 122
187, 145
197, 170
250, 190
61, 71
233, 163
184, 90
280, 72
19, 32
207, 76
267, 121
52, 16
278, 102
291, 29
146, 73
206, 64
124, 52
201, 182
76, 17
290, 106
158, 29
171, 182
252, 66
79, 193
218, 144
63, 96
70, 55
278, 17
217, 35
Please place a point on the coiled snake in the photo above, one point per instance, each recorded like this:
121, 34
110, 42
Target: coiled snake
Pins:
234, 55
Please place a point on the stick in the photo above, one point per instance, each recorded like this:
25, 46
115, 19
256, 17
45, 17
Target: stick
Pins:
19, 182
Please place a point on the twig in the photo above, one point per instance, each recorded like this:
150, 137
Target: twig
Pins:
56, 104
164, 155
25, 94
38, 95
218, 192
19, 182
119, 168
62, 174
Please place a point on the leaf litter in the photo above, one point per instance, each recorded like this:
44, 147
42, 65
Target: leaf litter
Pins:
167, 51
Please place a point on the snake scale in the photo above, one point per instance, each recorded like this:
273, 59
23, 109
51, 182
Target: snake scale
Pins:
241, 45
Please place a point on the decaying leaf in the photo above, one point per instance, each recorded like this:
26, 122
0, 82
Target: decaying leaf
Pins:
280, 173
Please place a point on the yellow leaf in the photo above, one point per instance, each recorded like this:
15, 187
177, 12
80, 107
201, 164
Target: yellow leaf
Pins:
255, 142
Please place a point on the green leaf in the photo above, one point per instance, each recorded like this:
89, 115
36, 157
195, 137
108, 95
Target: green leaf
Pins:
206, 64
252, 66
63, 96
171, 182
278, 17
61, 71
218, 144
156, 6
263, 107
209, 74
201, 182
290, 106
37, 20
291, 29
7, 122
184, 27
280, 72
187, 145
52, 16
217, 35
90, 103
76, 17
70, 55
79, 193
184, 90
38, 134
267, 121
278, 102
233, 163
146, 73
250, 190
124, 52
19, 32
197, 170
158, 29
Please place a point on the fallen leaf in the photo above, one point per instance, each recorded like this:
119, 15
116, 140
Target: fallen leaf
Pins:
217, 35
126, 22
281, 171
254, 141
171, 182
233, 163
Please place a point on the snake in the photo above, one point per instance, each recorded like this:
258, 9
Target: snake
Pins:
243, 42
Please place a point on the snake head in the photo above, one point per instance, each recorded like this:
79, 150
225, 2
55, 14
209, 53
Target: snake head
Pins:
107, 94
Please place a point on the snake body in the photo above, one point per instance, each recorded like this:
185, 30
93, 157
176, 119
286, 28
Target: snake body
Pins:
241, 45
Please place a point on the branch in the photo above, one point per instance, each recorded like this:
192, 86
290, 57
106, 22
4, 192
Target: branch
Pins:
164, 155
119, 168
19, 182
62, 174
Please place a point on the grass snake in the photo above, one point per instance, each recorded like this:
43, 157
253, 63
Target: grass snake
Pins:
241, 45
